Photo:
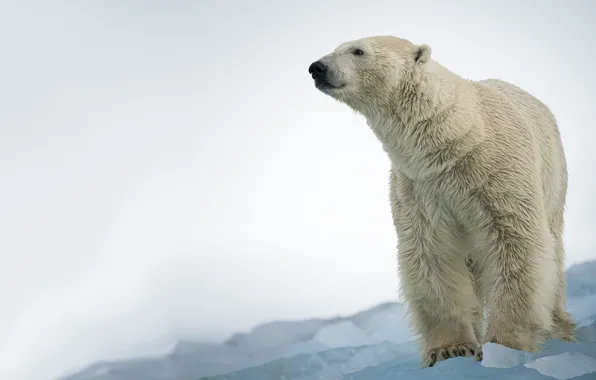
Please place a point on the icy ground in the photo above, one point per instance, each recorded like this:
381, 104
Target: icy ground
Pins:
373, 344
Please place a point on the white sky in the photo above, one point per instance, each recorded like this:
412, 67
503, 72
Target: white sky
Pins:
169, 169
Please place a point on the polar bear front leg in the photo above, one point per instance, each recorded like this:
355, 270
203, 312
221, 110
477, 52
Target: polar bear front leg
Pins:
520, 271
435, 282
440, 300
437, 288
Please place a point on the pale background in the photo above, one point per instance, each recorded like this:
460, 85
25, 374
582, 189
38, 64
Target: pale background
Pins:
169, 170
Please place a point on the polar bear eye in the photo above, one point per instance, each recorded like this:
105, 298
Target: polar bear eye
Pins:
358, 52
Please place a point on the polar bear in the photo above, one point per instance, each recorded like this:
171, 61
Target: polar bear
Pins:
478, 183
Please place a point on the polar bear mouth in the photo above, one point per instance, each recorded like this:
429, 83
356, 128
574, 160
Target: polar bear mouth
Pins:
324, 85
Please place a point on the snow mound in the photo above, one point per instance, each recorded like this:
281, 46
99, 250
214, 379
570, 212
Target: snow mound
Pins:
330, 364
564, 366
275, 334
375, 344
343, 334
581, 279
385, 361
497, 356
559, 360
309, 347
388, 325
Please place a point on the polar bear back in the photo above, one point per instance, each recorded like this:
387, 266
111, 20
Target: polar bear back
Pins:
509, 102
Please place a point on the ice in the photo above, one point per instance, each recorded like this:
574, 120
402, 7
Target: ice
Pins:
389, 361
372, 344
459, 368
331, 364
388, 324
582, 308
278, 333
310, 347
270, 342
497, 356
564, 366
343, 334
505, 364
581, 279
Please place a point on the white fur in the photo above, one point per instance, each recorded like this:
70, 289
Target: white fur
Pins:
477, 187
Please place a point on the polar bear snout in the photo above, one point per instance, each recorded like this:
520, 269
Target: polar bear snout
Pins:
325, 75
317, 70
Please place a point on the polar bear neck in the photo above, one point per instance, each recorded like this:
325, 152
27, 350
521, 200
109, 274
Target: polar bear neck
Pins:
430, 122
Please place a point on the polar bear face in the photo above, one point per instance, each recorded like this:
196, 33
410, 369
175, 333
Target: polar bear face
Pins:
366, 72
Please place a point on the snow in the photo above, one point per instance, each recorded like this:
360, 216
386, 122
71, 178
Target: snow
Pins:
497, 356
343, 334
373, 344
581, 279
310, 347
564, 366
582, 308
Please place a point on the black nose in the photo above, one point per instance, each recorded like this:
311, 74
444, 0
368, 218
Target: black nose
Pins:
317, 69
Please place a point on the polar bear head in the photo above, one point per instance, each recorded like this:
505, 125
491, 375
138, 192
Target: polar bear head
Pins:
369, 73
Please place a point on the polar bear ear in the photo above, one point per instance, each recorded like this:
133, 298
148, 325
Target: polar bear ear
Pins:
422, 53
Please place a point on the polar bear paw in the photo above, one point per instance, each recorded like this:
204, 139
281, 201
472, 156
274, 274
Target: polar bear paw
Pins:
435, 355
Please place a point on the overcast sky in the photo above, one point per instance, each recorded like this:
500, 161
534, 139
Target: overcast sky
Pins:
169, 170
